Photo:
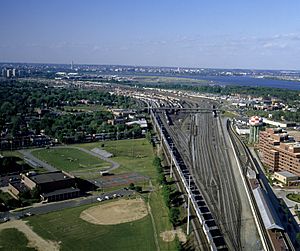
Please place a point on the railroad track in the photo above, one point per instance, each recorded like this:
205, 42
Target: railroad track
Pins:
215, 177
219, 189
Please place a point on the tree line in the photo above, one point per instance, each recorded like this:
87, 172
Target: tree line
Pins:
21, 101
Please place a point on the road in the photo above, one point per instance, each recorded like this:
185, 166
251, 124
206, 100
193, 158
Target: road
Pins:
56, 206
28, 154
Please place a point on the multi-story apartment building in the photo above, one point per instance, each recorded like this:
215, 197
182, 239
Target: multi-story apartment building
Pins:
280, 152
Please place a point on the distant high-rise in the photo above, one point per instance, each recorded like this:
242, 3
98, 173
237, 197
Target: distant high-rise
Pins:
9, 73
14, 73
72, 65
3, 73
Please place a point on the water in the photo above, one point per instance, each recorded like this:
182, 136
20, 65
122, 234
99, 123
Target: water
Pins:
231, 80
251, 81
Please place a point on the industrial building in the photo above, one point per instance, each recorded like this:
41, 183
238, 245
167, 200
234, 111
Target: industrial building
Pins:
279, 151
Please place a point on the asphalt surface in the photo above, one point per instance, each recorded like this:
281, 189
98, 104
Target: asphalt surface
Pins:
38, 209
28, 154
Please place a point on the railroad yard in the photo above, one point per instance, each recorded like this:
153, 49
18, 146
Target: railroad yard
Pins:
195, 135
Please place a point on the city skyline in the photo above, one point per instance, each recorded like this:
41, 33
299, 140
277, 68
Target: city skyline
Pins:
256, 35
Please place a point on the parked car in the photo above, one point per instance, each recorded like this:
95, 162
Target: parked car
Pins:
99, 199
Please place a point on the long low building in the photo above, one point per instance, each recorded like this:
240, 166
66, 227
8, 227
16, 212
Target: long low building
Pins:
286, 178
282, 124
270, 218
61, 194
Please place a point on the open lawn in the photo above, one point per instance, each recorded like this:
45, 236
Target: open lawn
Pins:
69, 159
294, 197
77, 234
11, 153
161, 218
13, 239
133, 155
229, 114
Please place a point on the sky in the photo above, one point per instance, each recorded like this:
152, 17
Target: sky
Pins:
253, 34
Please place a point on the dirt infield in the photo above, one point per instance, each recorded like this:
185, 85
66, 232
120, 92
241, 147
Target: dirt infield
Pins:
115, 212
34, 240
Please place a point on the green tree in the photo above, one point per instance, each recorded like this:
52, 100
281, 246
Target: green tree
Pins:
138, 189
174, 214
131, 186
298, 237
148, 136
35, 193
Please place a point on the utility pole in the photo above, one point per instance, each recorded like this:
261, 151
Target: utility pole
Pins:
171, 166
132, 143
188, 208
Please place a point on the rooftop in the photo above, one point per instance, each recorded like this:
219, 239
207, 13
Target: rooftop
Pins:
266, 210
19, 186
287, 174
61, 191
49, 177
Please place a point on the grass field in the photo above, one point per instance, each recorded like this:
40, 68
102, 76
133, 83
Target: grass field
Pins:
13, 239
11, 153
69, 159
77, 234
229, 114
133, 155
294, 197
137, 156
161, 218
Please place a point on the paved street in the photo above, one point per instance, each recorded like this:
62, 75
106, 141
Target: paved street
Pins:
56, 206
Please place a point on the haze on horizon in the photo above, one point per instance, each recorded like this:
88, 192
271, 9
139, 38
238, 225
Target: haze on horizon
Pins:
211, 34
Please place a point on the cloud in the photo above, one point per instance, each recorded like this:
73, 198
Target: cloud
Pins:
272, 45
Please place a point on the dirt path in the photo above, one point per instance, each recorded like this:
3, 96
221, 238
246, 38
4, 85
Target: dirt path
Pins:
34, 240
